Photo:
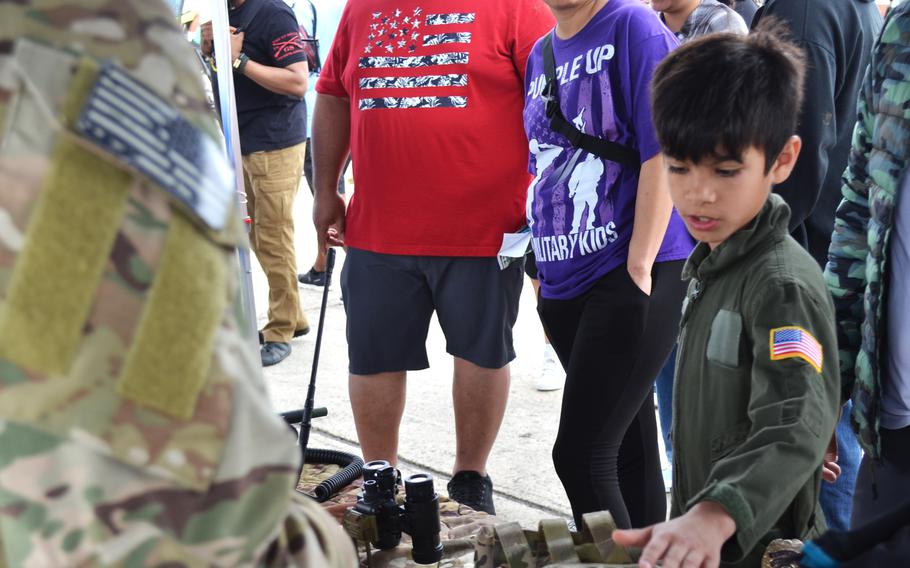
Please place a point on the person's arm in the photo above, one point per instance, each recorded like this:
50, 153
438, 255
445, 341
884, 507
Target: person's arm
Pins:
291, 80
330, 146
727, 21
845, 272
653, 208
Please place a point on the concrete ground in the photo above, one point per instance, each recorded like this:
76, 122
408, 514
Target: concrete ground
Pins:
525, 485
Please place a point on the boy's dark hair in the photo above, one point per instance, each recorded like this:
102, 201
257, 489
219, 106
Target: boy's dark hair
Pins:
718, 95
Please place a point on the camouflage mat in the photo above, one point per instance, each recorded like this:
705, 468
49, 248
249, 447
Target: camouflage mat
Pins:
459, 533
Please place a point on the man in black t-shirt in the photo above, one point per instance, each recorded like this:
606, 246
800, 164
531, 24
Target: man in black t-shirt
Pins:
270, 79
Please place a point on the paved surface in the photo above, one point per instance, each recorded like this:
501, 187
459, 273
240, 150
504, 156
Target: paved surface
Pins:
525, 484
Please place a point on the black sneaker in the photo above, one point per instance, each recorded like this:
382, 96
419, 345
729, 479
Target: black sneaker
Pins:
312, 278
471, 489
273, 352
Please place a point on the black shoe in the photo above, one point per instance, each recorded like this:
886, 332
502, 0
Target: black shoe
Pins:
471, 489
273, 353
312, 278
297, 334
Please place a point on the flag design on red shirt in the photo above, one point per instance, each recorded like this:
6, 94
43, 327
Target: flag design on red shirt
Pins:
402, 45
796, 342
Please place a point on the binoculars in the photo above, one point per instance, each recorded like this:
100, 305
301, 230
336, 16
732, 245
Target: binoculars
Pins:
378, 520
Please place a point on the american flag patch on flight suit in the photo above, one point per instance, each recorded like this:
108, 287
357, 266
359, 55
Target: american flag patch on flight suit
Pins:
795, 342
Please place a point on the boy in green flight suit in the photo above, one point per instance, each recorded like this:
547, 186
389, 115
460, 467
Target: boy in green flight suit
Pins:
757, 383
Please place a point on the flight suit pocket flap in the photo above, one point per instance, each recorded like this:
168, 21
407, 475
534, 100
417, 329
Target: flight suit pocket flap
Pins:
723, 344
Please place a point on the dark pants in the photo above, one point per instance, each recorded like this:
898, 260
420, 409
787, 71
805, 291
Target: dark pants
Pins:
612, 341
883, 487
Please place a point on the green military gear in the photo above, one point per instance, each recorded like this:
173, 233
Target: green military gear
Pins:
507, 545
757, 385
135, 428
552, 544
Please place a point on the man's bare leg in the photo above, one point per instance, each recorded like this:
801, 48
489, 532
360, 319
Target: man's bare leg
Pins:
378, 404
480, 396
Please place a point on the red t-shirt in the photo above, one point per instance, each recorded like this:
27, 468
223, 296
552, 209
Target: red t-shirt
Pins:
436, 90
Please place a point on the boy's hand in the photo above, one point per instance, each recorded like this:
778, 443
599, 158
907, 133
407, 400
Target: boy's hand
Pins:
693, 540
830, 469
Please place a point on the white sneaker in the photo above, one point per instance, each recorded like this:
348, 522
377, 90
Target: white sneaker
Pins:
551, 377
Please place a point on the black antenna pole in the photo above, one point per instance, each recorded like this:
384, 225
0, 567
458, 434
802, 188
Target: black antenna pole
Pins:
304, 437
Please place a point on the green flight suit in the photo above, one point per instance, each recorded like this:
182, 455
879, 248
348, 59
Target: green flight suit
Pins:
753, 413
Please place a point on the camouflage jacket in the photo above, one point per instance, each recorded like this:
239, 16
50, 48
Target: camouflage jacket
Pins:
857, 271
135, 428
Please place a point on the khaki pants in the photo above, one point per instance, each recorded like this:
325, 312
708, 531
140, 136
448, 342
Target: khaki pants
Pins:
271, 180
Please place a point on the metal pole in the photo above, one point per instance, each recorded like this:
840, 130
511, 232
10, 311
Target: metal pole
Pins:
221, 38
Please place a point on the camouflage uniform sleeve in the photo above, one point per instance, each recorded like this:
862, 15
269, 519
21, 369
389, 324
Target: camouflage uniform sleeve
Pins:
845, 272
315, 539
792, 409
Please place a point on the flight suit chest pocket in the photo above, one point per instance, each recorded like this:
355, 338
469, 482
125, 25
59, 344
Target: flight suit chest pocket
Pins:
724, 341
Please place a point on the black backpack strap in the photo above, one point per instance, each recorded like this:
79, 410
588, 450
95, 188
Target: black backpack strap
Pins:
315, 18
605, 149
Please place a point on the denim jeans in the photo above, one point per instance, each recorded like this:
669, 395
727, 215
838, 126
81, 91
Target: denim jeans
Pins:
837, 498
664, 386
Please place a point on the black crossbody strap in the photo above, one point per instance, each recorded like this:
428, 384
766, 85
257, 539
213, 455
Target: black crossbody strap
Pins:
605, 149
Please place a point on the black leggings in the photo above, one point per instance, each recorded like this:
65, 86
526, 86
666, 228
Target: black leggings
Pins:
612, 340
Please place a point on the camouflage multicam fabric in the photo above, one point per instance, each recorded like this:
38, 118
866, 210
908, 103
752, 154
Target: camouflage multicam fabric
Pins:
110, 287
862, 231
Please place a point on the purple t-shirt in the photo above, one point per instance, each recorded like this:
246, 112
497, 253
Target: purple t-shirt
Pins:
580, 207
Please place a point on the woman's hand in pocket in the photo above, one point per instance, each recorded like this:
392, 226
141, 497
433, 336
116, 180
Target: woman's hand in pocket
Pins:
641, 276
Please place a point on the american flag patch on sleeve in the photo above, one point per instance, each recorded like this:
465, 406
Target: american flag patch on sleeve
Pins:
795, 342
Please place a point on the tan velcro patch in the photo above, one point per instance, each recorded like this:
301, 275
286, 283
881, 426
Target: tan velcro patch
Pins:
67, 246
167, 366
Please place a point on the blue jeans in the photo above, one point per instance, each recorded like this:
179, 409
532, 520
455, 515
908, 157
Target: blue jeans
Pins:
837, 498
664, 386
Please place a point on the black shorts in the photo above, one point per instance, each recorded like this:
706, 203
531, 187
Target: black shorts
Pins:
390, 299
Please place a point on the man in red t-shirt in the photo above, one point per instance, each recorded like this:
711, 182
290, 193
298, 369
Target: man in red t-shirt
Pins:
428, 96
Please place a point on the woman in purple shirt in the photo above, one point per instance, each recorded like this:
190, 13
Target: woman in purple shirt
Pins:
609, 249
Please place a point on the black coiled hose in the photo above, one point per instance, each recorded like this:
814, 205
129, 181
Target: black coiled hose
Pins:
353, 467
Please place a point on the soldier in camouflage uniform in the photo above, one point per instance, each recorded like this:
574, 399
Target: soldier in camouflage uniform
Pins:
122, 442
866, 271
